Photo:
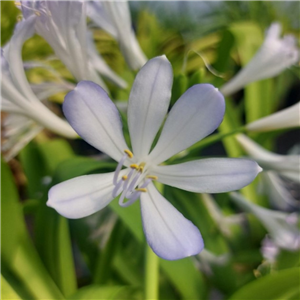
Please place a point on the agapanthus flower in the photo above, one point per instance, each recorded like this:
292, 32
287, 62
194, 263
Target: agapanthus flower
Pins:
16, 132
282, 193
114, 17
274, 56
63, 25
287, 166
197, 113
17, 95
282, 227
286, 118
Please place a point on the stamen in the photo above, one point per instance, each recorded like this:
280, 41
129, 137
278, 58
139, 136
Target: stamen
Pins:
17, 3
141, 167
134, 166
153, 177
116, 189
118, 169
143, 190
129, 153
124, 177
126, 182
133, 184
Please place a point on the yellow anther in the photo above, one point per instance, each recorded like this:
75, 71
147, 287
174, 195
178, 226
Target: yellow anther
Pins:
129, 153
141, 167
143, 190
152, 177
17, 3
124, 177
37, 13
134, 166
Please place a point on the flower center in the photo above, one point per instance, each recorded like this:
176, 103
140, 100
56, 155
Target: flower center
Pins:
132, 184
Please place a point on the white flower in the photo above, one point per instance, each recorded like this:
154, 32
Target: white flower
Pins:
287, 166
63, 25
269, 250
114, 17
17, 95
274, 56
17, 132
281, 226
280, 192
286, 118
197, 113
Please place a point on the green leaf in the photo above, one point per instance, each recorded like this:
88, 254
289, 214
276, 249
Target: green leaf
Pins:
12, 225
7, 291
277, 286
51, 230
55, 152
93, 292
77, 166
34, 169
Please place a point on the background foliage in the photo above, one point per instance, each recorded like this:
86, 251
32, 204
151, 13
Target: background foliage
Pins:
45, 256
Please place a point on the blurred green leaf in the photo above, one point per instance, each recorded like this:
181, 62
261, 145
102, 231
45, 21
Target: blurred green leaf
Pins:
277, 286
54, 152
34, 169
12, 224
7, 291
93, 292
51, 230
179, 87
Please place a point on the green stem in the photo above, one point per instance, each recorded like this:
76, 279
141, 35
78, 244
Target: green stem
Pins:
214, 138
151, 274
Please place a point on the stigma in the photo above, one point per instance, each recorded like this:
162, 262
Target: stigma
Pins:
134, 183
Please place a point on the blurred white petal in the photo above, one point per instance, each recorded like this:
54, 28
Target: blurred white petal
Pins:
286, 118
284, 234
274, 56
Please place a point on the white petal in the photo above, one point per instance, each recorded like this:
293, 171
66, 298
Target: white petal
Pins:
13, 54
169, 234
286, 118
196, 114
148, 103
100, 65
212, 175
274, 56
95, 118
81, 196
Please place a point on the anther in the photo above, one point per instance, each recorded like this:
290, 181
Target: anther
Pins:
37, 13
153, 177
143, 190
124, 177
134, 166
129, 153
141, 167
17, 3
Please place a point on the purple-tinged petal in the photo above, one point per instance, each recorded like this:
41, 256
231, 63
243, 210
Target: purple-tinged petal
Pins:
81, 196
95, 118
169, 234
196, 114
148, 103
212, 175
